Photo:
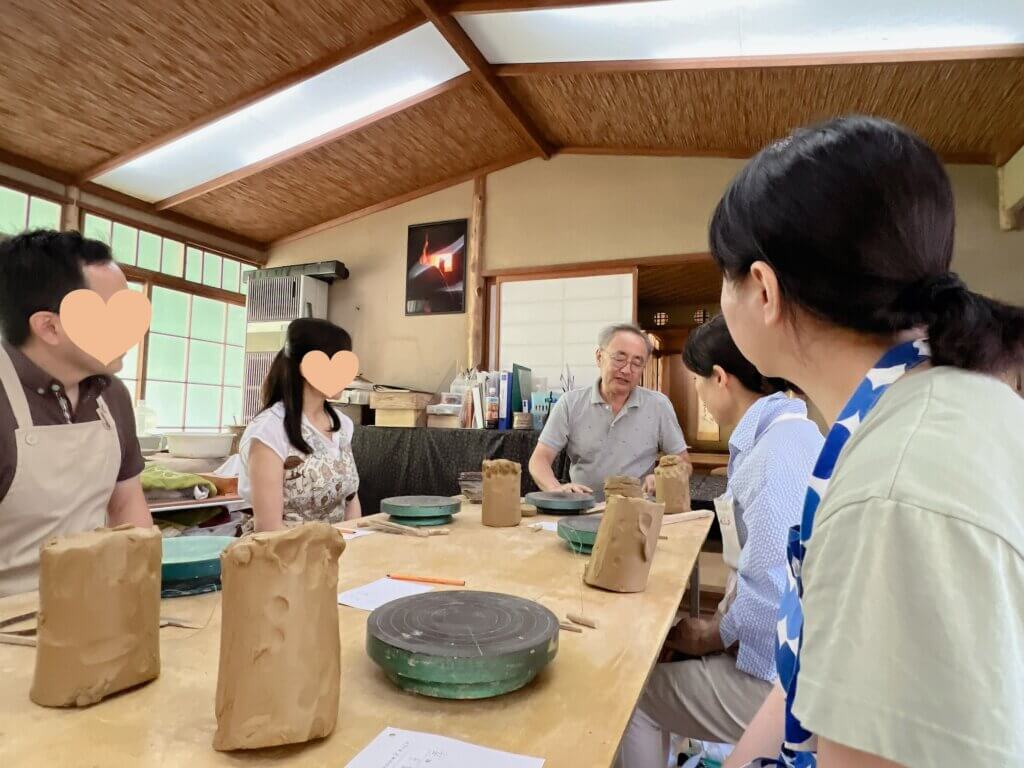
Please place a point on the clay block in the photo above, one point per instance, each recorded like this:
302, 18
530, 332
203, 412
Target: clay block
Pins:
672, 484
280, 648
625, 545
623, 485
99, 615
501, 508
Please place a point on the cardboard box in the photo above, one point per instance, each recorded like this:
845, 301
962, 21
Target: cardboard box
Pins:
400, 417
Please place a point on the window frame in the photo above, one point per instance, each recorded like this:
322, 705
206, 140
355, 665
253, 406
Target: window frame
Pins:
33, 191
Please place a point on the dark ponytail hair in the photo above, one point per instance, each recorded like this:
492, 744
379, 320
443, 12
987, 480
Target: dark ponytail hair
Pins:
284, 383
711, 344
855, 216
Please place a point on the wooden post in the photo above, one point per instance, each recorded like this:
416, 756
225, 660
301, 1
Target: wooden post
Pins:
475, 299
70, 213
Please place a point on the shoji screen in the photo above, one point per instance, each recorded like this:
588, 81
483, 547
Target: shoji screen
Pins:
546, 324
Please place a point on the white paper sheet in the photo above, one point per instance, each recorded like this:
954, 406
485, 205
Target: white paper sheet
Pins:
356, 534
553, 527
394, 748
371, 596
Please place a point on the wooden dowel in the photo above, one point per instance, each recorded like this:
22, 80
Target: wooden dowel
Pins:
583, 621
428, 579
685, 517
569, 627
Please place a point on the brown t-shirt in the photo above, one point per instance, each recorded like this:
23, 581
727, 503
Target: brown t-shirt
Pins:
47, 402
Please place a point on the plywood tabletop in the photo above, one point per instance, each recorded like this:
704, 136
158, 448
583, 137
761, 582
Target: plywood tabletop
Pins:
573, 714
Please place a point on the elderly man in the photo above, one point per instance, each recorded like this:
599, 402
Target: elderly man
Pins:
614, 427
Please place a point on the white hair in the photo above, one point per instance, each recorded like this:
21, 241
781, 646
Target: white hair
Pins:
608, 333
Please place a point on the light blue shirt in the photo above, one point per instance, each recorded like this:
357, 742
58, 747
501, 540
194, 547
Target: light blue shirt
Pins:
768, 474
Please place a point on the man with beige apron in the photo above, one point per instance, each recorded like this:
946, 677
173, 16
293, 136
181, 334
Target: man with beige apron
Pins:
69, 458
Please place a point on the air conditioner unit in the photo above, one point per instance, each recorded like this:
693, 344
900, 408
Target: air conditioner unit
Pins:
273, 301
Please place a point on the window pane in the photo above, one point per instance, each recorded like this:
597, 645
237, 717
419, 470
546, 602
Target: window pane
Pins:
168, 400
211, 269
207, 319
42, 214
232, 408
129, 362
194, 265
203, 406
230, 280
130, 384
242, 285
13, 206
149, 251
97, 228
204, 362
165, 358
137, 287
170, 312
236, 325
234, 360
174, 258
123, 245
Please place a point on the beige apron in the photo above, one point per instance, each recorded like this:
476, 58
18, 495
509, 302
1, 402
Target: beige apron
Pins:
62, 484
725, 509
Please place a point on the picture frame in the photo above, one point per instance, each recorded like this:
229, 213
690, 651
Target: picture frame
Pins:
435, 277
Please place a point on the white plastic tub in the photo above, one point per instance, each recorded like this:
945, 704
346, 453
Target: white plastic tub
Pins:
199, 445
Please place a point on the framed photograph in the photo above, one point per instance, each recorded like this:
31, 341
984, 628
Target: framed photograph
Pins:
435, 281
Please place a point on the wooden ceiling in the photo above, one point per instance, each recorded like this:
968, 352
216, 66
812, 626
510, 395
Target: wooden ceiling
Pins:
102, 80
691, 282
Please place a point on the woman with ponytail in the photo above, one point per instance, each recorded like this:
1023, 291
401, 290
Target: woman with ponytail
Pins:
728, 668
901, 630
296, 453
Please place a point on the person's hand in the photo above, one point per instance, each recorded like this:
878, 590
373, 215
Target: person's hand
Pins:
695, 637
649, 487
574, 488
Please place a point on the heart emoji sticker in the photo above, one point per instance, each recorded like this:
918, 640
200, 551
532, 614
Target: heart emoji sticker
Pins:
329, 375
105, 330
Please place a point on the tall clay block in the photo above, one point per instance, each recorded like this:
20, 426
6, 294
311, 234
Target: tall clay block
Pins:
672, 484
623, 485
625, 544
99, 615
502, 506
280, 650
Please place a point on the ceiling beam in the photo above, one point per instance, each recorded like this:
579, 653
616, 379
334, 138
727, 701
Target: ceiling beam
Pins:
497, 6
915, 55
483, 70
451, 181
317, 67
308, 146
959, 158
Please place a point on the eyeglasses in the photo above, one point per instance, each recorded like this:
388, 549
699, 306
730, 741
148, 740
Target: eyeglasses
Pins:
620, 359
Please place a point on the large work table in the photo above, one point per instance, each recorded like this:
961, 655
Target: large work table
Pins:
573, 714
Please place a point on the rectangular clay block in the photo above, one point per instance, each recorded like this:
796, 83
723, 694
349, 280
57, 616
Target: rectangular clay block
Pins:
623, 485
502, 504
625, 544
99, 615
280, 650
672, 485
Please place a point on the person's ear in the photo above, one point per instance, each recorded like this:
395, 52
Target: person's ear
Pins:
46, 325
719, 376
597, 357
767, 292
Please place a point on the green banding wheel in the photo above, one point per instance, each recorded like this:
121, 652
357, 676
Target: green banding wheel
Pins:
462, 644
419, 522
560, 502
420, 506
192, 557
580, 549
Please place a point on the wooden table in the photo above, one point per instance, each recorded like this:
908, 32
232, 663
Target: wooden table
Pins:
572, 715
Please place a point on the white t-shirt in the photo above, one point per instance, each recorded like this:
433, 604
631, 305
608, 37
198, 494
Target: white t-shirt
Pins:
268, 428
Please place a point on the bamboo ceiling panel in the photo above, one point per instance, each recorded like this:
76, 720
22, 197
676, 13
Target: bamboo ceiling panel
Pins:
448, 135
84, 80
965, 109
692, 282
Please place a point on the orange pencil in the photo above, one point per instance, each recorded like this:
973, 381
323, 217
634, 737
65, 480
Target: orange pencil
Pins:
428, 580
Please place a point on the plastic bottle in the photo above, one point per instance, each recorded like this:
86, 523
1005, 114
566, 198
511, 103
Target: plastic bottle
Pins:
145, 419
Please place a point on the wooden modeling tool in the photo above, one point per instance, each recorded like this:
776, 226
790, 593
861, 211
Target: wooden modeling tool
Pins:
583, 621
428, 579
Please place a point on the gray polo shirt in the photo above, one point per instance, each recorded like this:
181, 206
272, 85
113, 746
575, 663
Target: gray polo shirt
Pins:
600, 445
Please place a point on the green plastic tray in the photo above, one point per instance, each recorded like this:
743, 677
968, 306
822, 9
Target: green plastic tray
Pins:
420, 506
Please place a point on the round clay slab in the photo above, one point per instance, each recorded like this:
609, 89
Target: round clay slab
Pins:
462, 644
560, 502
420, 506
580, 531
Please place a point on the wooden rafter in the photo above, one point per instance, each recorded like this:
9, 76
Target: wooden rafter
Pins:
317, 67
483, 70
308, 146
496, 6
451, 181
1009, 51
